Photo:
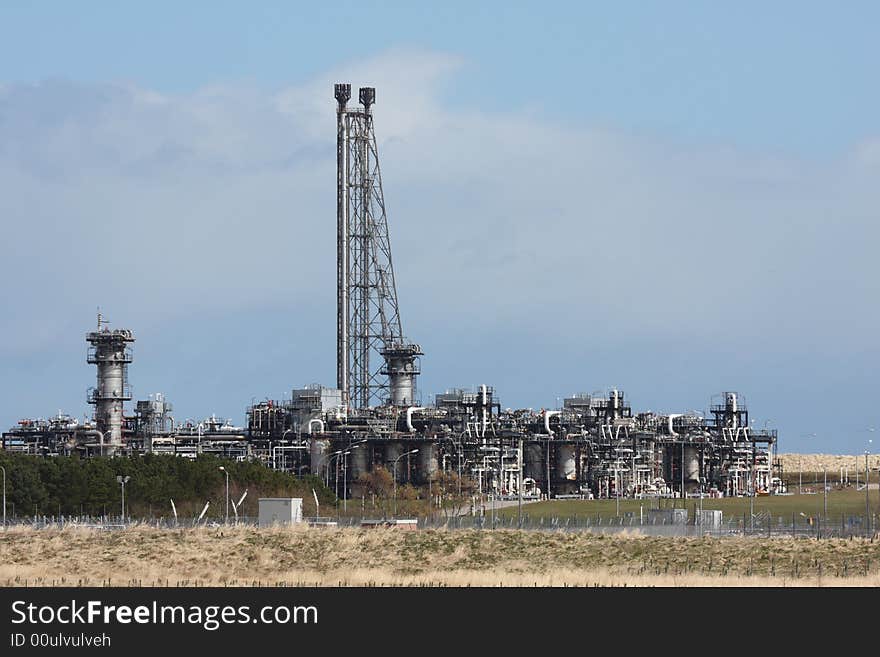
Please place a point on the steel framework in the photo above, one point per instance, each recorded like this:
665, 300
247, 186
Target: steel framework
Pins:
369, 332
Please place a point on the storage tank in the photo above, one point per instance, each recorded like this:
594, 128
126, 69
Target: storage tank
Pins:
534, 462
566, 468
691, 467
427, 462
358, 461
392, 460
318, 449
671, 457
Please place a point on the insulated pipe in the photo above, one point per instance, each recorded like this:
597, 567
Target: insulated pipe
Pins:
93, 432
671, 418
409, 414
320, 422
547, 416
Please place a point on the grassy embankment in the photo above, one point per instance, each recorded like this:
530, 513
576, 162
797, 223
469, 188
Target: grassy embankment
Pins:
245, 556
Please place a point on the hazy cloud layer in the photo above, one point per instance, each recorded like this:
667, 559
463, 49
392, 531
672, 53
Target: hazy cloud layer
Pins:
163, 209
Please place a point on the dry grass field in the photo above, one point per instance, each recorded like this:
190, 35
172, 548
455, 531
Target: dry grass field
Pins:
247, 556
832, 462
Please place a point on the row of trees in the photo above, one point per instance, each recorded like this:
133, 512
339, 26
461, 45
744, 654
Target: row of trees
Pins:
73, 486
70, 486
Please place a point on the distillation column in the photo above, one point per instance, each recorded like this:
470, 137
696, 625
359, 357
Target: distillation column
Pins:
110, 352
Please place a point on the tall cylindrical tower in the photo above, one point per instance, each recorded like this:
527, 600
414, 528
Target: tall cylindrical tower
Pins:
370, 344
109, 350
401, 367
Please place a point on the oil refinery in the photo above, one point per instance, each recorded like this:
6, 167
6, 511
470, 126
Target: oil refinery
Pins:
593, 446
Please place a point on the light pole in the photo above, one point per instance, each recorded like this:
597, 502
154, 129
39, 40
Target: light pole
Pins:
226, 472
800, 466
4, 496
275, 458
351, 446
519, 484
617, 483
122, 480
394, 475
825, 494
329, 463
458, 453
868, 499
336, 472
336, 485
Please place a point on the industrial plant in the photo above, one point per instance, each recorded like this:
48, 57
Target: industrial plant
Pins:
593, 446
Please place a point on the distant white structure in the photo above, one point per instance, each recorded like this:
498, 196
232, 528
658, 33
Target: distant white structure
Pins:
280, 511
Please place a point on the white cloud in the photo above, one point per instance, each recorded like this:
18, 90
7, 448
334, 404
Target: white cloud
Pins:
157, 205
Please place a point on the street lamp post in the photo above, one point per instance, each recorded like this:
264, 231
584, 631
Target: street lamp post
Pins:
329, 463
274, 458
122, 481
800, 466
617, 483
344, 456
394, 475
867, 478
4, 496
867, 499
351, 446
825, 494
519, 484
226, 472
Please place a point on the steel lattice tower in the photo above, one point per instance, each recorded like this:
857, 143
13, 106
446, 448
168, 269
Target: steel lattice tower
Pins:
374, 362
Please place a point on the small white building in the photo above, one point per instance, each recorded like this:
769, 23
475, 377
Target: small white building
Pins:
280, 511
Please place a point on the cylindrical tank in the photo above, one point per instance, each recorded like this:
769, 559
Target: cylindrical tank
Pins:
358, 461
614, 404
402, 382
392, 460
428, 465
566, 467
401, 368
318, 449
691, 466
671, 454
731, 402
533, 457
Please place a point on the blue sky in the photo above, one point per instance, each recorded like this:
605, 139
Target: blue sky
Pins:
672, 198
792, 75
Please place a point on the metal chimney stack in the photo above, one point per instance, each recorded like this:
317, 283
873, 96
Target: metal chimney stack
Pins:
375, 364
342, 93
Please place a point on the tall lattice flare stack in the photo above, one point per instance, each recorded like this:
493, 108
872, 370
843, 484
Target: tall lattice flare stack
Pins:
375, 364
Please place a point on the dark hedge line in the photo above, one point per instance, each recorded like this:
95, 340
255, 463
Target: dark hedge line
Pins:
73, 486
